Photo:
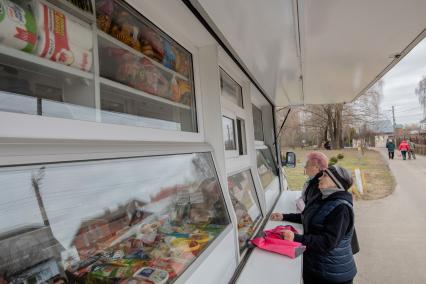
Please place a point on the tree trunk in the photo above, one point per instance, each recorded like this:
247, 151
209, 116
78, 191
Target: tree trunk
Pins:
338, 126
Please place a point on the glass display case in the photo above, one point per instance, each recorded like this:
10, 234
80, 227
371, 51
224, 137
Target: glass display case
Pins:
143, 77
108, 221
138, 59
246, 206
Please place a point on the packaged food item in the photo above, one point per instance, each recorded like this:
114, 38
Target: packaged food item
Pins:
200, 238
18, 27
104, 11
63, 40
155, 275
152, 43
125, 29
110, 271
186, 245
138, 254
169, 58
173, 266
182, 61
161, 250
181, 91
143, 75
148, 233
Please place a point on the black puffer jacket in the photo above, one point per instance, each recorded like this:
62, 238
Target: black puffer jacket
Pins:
328, 228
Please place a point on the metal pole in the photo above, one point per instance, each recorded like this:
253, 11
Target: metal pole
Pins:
393, 117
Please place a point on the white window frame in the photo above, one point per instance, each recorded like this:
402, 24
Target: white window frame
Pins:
234, 161
15, 125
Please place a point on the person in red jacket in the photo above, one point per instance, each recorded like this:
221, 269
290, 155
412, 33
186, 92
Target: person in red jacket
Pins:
404, 147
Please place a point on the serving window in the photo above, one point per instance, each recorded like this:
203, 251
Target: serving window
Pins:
108, 221
246, 206
141, 76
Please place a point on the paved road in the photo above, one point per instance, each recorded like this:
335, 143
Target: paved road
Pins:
392, 231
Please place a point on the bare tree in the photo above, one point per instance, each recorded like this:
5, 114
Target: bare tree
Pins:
421, 93
334, 122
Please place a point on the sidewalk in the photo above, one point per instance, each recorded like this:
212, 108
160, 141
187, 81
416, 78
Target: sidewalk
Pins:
392, 231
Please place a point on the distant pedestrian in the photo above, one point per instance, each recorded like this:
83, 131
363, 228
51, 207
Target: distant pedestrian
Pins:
404, 147
391, 148
327, 145
412, 149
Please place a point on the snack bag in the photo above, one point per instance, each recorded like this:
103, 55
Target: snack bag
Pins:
17, 26
63, 40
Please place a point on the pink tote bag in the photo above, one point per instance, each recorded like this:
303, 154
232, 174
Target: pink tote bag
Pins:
273, 242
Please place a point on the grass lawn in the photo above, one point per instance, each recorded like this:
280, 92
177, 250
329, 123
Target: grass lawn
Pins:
379, 181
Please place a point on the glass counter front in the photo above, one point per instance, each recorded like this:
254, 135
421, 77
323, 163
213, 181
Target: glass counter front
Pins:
246, 205
125, 220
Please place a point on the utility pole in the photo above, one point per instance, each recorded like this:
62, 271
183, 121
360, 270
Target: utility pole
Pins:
393, 117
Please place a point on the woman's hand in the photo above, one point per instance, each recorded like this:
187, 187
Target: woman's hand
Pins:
288, 235
276, 217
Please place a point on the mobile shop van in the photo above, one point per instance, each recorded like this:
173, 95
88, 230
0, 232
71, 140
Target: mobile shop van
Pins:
139, 138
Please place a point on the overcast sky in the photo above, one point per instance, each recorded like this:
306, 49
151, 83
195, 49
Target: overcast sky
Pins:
399, 85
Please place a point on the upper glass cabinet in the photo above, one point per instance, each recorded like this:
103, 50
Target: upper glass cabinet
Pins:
144, 73
109, 221
145, 78
246, 206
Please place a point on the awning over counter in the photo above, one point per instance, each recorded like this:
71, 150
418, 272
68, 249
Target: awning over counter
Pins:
316, 52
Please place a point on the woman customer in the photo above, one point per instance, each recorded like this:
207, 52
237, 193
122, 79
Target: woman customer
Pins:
316, 162
404, 147
328, 224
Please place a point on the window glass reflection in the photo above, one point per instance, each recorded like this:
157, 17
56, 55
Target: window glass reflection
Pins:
229, 133
266, 167
257, 123
230, 89
105, 221
246, 206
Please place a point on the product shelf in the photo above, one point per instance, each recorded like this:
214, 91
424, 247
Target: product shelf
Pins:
118, 43
119, 86
20, 59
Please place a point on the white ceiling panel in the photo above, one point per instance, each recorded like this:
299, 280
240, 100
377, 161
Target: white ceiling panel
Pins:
344, 44
262, 35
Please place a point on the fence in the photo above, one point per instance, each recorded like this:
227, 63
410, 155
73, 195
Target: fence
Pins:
420, 149
418, 139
